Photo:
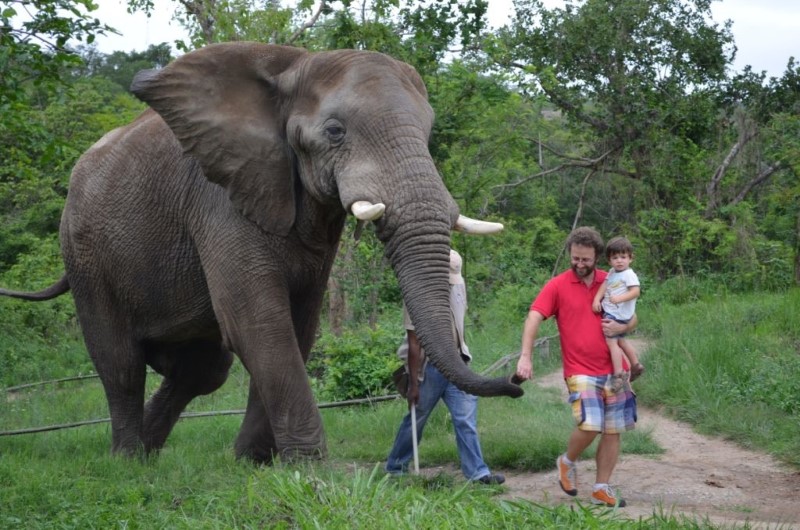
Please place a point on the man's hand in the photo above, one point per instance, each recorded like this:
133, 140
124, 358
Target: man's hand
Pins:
612, 328
413, 392
524, 368
529, 332
414, 367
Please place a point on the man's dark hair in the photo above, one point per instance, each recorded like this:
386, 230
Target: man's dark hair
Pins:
586, 236
619, 245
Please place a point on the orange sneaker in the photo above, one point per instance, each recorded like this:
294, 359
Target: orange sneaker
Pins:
567, 477
606, 496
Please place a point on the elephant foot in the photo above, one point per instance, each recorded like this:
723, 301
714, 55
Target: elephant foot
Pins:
132, 451
260, 456
297, 454
257, 456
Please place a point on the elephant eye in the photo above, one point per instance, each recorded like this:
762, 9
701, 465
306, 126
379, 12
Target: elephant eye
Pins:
335, 133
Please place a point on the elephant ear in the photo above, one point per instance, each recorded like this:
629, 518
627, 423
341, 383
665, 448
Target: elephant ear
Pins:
222, 104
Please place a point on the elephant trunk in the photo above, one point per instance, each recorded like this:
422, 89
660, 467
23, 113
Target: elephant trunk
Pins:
420, 258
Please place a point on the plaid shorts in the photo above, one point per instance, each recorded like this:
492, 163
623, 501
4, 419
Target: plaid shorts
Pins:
596, 408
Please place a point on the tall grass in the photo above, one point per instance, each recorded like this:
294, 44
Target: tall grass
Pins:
731, 366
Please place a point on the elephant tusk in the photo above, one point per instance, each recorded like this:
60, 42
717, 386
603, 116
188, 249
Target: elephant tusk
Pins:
474, 226
366, 211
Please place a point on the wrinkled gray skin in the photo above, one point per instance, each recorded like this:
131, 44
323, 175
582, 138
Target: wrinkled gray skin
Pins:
209, 226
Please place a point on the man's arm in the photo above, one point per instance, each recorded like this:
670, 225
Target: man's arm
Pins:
529, 332
597, 306
414, 365
612, 327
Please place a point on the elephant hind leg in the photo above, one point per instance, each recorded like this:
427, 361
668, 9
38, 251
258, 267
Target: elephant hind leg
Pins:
190, 369
119, 361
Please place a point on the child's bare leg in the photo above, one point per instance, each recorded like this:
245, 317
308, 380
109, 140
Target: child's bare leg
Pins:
630, 352
618, 377
616, 354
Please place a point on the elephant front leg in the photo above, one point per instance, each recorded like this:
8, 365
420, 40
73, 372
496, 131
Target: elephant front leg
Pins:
282, 418
256, 441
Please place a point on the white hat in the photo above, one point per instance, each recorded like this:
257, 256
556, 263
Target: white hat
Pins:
455, 268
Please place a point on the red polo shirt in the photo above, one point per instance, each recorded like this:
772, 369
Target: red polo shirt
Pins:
583, 345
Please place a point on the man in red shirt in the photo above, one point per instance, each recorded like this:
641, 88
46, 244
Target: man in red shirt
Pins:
586, 362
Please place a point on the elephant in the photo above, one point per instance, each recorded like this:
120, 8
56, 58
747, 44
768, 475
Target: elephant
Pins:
208, 226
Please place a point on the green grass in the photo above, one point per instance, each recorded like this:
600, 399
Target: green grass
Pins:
67, 479
732, 357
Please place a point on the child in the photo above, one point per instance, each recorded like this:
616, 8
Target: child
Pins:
616, 298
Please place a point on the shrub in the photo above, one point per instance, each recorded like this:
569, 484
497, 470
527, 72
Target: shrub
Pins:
358, 364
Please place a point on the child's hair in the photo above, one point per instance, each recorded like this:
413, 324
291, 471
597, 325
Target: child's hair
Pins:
619, 245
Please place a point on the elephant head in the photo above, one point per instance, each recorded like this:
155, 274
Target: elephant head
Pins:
294, 137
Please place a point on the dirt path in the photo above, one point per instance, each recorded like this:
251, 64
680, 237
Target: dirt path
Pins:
698, 477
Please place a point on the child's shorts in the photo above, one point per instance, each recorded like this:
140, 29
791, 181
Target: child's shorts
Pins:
596, 408
615, 319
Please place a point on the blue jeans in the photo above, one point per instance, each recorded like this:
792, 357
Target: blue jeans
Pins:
463, 409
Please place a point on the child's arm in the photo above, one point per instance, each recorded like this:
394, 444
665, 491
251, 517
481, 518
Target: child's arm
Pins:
631, 294
597, 307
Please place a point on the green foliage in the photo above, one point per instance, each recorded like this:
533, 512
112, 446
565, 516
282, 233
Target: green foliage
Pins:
519, 255
40, 147
620, 67
692, 245
357, 364
482, 139
33, 333
120, 66
33, 44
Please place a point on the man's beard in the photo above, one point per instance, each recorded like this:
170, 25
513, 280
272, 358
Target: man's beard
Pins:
582, 272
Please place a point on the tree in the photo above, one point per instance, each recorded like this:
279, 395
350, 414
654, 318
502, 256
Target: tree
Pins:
633, 73
33, 42
39, 149
120, 67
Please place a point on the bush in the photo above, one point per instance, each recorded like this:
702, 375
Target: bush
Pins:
728, 252
356, 365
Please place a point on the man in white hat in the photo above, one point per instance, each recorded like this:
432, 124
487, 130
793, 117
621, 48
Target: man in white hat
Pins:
433, 386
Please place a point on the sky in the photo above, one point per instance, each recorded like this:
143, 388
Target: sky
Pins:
766, 32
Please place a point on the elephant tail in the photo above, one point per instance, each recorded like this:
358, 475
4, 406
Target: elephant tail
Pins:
57, 289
